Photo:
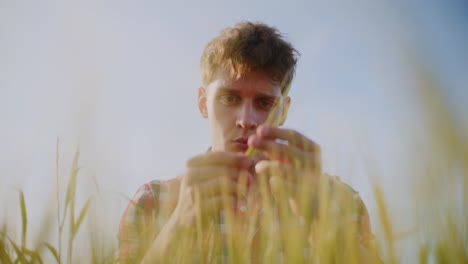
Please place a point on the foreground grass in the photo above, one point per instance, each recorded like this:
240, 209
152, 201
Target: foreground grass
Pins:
442, 229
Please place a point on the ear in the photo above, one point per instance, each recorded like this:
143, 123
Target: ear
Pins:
284, 114
202, 102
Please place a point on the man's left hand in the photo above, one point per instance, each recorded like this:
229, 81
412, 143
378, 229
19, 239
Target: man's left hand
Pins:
294, 164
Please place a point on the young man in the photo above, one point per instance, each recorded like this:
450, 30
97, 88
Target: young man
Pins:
246, 73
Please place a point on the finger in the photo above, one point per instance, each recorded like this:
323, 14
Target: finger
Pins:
272, 167
288, 172
217, 186
279, 151
220, 158
200, 174
293, 137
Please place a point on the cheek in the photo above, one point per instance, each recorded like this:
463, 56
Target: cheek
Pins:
262, 116
220, 116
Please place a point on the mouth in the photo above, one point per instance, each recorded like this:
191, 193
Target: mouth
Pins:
241, 143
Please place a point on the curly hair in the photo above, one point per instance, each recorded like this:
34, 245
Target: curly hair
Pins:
249, 47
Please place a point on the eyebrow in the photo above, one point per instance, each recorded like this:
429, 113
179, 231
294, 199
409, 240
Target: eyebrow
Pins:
234, 91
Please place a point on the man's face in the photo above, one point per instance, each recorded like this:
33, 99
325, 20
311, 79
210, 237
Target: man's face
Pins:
235, 108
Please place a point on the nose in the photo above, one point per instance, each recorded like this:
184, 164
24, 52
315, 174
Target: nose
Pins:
247, 117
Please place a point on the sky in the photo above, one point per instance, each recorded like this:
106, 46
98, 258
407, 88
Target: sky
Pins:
119, 80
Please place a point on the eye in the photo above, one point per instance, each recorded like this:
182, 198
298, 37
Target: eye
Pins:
229, 99
266, 104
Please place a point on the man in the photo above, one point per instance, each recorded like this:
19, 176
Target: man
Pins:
252, 166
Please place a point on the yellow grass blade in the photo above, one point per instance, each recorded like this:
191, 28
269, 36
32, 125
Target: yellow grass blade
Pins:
53, 251
24, 220
83, 212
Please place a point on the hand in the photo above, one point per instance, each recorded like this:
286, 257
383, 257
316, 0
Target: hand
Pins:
294, 168
209, 185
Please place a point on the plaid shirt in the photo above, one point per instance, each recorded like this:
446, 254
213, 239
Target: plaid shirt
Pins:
154, 202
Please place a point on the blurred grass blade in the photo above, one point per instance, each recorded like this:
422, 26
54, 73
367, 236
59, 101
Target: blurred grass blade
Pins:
71, 184
83, 212
4, 256
273, 119
386, 223
35, 256
71, 187
24, 220
21, 256
53, 251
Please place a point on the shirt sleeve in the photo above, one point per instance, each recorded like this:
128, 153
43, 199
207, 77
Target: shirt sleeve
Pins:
137, 222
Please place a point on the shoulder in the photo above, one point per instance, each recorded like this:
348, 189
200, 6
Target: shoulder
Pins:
341, 190
352, 207
347, 198
150, 194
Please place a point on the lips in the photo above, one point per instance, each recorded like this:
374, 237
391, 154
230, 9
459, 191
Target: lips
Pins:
241, 140
241, 143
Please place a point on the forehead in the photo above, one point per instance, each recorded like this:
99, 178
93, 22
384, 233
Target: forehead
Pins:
251, 83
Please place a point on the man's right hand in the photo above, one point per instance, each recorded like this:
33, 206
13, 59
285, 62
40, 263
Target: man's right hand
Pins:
210, 184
